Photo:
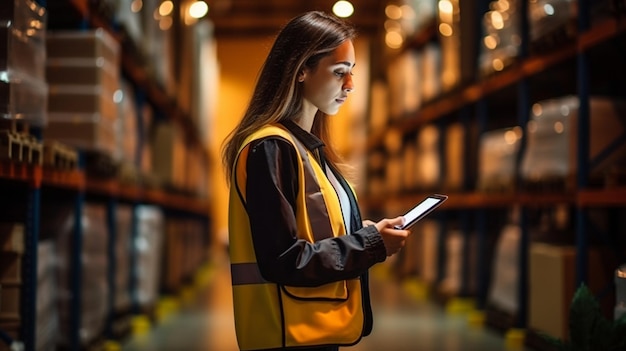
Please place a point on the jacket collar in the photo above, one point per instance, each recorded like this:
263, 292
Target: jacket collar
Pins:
309, 140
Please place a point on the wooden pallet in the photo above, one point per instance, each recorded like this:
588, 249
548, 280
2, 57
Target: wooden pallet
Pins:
59, 156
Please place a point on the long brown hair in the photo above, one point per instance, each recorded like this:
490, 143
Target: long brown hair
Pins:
277, 96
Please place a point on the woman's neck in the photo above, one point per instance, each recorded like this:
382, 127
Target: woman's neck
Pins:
305, 121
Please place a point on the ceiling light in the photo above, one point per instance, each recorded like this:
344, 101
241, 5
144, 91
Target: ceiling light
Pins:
343, 9
198, 9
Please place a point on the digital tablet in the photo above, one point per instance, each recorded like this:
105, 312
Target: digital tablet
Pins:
421, 210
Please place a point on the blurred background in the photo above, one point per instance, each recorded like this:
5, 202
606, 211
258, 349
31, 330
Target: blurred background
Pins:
113, 200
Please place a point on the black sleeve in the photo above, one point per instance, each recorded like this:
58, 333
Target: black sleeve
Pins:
271, 192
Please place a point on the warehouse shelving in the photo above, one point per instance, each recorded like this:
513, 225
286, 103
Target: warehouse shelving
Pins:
511, 89
27, 185
526, 68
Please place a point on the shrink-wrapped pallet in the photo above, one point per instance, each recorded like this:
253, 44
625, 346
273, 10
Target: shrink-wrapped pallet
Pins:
498, 152
552, 143
502, 36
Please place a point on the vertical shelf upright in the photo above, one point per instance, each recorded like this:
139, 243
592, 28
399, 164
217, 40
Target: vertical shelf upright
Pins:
29, 274
583, 144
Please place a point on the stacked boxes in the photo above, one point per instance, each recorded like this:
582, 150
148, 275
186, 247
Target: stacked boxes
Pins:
94, 265
83, 73
23, 90
11, 252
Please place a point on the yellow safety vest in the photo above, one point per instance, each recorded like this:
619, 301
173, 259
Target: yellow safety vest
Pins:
269, 315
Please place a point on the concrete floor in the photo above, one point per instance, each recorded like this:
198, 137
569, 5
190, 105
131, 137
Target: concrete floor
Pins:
402, 322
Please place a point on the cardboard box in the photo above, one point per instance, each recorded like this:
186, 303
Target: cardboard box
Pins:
552, 285
96, 43
12, 237
10, 267
89, 72
10, 307
82, 100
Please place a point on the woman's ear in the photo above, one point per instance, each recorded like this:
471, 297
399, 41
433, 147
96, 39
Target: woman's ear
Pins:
301, 75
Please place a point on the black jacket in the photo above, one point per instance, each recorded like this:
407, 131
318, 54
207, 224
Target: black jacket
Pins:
271, 191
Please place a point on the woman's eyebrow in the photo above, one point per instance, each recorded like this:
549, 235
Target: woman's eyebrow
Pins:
346, 63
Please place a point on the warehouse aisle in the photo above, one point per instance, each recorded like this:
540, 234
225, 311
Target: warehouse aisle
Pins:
402, 323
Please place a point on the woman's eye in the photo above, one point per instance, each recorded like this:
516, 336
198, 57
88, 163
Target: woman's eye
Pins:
340, 73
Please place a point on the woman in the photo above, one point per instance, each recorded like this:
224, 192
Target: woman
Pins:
299, 250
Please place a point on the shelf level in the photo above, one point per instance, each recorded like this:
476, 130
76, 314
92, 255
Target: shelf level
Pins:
459, 201
16, 171
67, 179
138, 194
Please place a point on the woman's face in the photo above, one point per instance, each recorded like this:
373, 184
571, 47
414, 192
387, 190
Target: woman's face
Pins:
326, 87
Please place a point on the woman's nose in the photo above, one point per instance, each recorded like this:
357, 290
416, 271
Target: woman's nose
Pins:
348, 84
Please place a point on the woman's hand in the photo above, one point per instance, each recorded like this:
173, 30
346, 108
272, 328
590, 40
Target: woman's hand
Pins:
394, 239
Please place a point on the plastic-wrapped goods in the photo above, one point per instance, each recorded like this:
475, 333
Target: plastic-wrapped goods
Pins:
94, 265
498, 152
409, 157
452, 281
424, 12
396, 76
430, 69
23, 90
502, 40
427, 255
551, 152
551, 22
450, 38
505, 271
47, 326
122, 249
379, 110
455, 156
394, 174
411, 96
147, 247
428, 165
620, 292
22, 39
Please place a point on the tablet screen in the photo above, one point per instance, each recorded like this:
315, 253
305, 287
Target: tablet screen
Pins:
422, 209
